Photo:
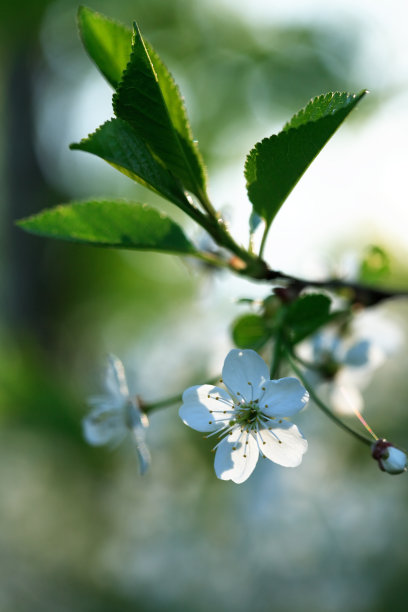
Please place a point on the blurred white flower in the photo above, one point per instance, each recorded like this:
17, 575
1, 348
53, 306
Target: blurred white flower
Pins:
116, 415
390, 459
249, 418
342, 366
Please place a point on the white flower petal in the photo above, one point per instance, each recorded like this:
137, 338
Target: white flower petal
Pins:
236, 456
326, 344
201, 410
137, 422
115, 380
358, 354
106, 402
283, 397
142, 449
104, 427
283, 444
241, 368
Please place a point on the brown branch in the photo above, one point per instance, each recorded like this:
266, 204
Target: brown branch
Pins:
360, 293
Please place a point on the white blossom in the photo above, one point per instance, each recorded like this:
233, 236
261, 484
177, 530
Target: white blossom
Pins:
116, 415
342, 367
249, 417
346, 362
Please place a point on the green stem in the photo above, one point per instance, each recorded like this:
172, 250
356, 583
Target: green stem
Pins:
276, 354
211, 258
307, 364
206, 204
263, 241
167, 401
322, 405
212, 222
147, 407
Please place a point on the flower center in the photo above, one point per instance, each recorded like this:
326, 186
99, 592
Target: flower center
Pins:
329, 366
247, 416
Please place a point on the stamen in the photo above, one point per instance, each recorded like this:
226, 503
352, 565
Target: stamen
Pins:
274, 434
221, 431
252, 390
222, 411
257, 441
358, 414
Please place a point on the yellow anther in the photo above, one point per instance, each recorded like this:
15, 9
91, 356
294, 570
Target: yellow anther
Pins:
280, 441
263, 442
249, 383
208, 396
238, 393
221, 380
263, 388
225, 412
280, 421
210, 422
217, 398
245, 456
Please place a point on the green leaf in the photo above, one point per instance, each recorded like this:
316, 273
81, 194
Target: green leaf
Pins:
275, 165
375, 265
250, 331
148, 99
118, 143
306, 314
107, 42
120, 224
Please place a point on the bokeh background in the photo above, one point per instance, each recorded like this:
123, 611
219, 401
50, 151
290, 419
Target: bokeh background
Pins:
80, 529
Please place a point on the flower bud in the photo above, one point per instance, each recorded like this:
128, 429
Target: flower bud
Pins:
390, 459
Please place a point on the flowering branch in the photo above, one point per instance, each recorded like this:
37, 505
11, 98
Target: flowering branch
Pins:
150, 140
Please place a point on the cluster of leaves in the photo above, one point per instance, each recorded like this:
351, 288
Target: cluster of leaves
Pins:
150, 141
294, 320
